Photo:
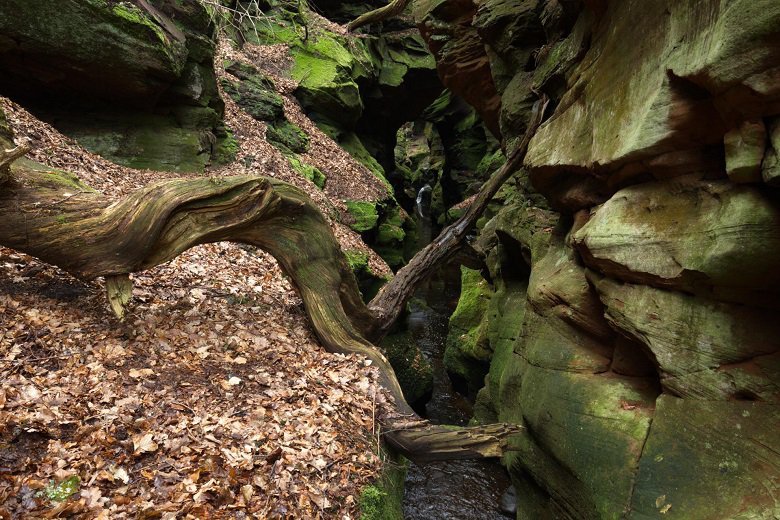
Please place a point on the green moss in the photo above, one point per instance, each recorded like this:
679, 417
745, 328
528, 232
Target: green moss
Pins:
368, 282
383, 500
354, 146
287, 136
226, 149
133, 14
467, 352
491, 162
390, 234
310, 172
357, 260
364, 213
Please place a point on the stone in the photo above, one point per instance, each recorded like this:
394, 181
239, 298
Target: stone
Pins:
703, 348
468, 351
745, 146
69, 46
558, 289
699, 70
709, 460
364, 214
770, 168
255, 98
588, 436
461, 60
715, 239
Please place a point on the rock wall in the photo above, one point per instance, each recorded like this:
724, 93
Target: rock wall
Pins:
638, 343
132, 81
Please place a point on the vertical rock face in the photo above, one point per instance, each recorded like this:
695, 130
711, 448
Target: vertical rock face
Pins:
646, 360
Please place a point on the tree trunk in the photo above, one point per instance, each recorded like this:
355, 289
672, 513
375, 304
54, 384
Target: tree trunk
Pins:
53, 216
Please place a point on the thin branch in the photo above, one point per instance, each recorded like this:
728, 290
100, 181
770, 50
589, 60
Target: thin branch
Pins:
391, 10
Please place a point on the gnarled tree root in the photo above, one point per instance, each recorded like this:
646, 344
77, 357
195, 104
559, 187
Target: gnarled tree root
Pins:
53, 216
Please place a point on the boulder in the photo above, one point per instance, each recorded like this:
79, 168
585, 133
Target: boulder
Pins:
714, 239
704, 349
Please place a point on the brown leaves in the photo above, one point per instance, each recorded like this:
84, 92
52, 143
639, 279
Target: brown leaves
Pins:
212, 396
206, 404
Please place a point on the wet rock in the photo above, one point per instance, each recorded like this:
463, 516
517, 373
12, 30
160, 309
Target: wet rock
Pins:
508, 503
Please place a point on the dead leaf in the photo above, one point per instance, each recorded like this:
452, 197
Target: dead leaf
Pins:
144, 443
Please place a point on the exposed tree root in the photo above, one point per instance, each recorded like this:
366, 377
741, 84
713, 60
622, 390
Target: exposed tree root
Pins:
53, 216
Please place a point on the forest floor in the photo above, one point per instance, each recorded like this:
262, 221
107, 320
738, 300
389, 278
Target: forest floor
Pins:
213, 398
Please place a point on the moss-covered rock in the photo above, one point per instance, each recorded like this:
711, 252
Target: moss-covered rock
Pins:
383, 500
414, 371
467, 353
258, 100
287, 136
133, 82
308, 171
368, 281
141, 140
78, 42
226, 149
714, 239
708, 459
364, 214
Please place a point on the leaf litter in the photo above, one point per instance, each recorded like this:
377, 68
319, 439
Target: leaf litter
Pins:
213, 399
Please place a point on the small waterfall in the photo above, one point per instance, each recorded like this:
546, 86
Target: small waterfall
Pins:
418, 202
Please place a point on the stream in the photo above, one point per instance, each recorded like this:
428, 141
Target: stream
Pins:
452, 490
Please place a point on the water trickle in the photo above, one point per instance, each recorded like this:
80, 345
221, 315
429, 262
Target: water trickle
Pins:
420, 197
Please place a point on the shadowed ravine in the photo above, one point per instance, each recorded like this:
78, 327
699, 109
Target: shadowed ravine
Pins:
455, 489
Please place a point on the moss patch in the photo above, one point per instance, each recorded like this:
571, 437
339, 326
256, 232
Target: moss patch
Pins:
383, 500
307, 170
364, 213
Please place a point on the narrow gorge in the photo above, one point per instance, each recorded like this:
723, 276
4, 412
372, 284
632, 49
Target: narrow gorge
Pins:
259, 187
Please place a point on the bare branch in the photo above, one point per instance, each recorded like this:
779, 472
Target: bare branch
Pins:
392, 9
